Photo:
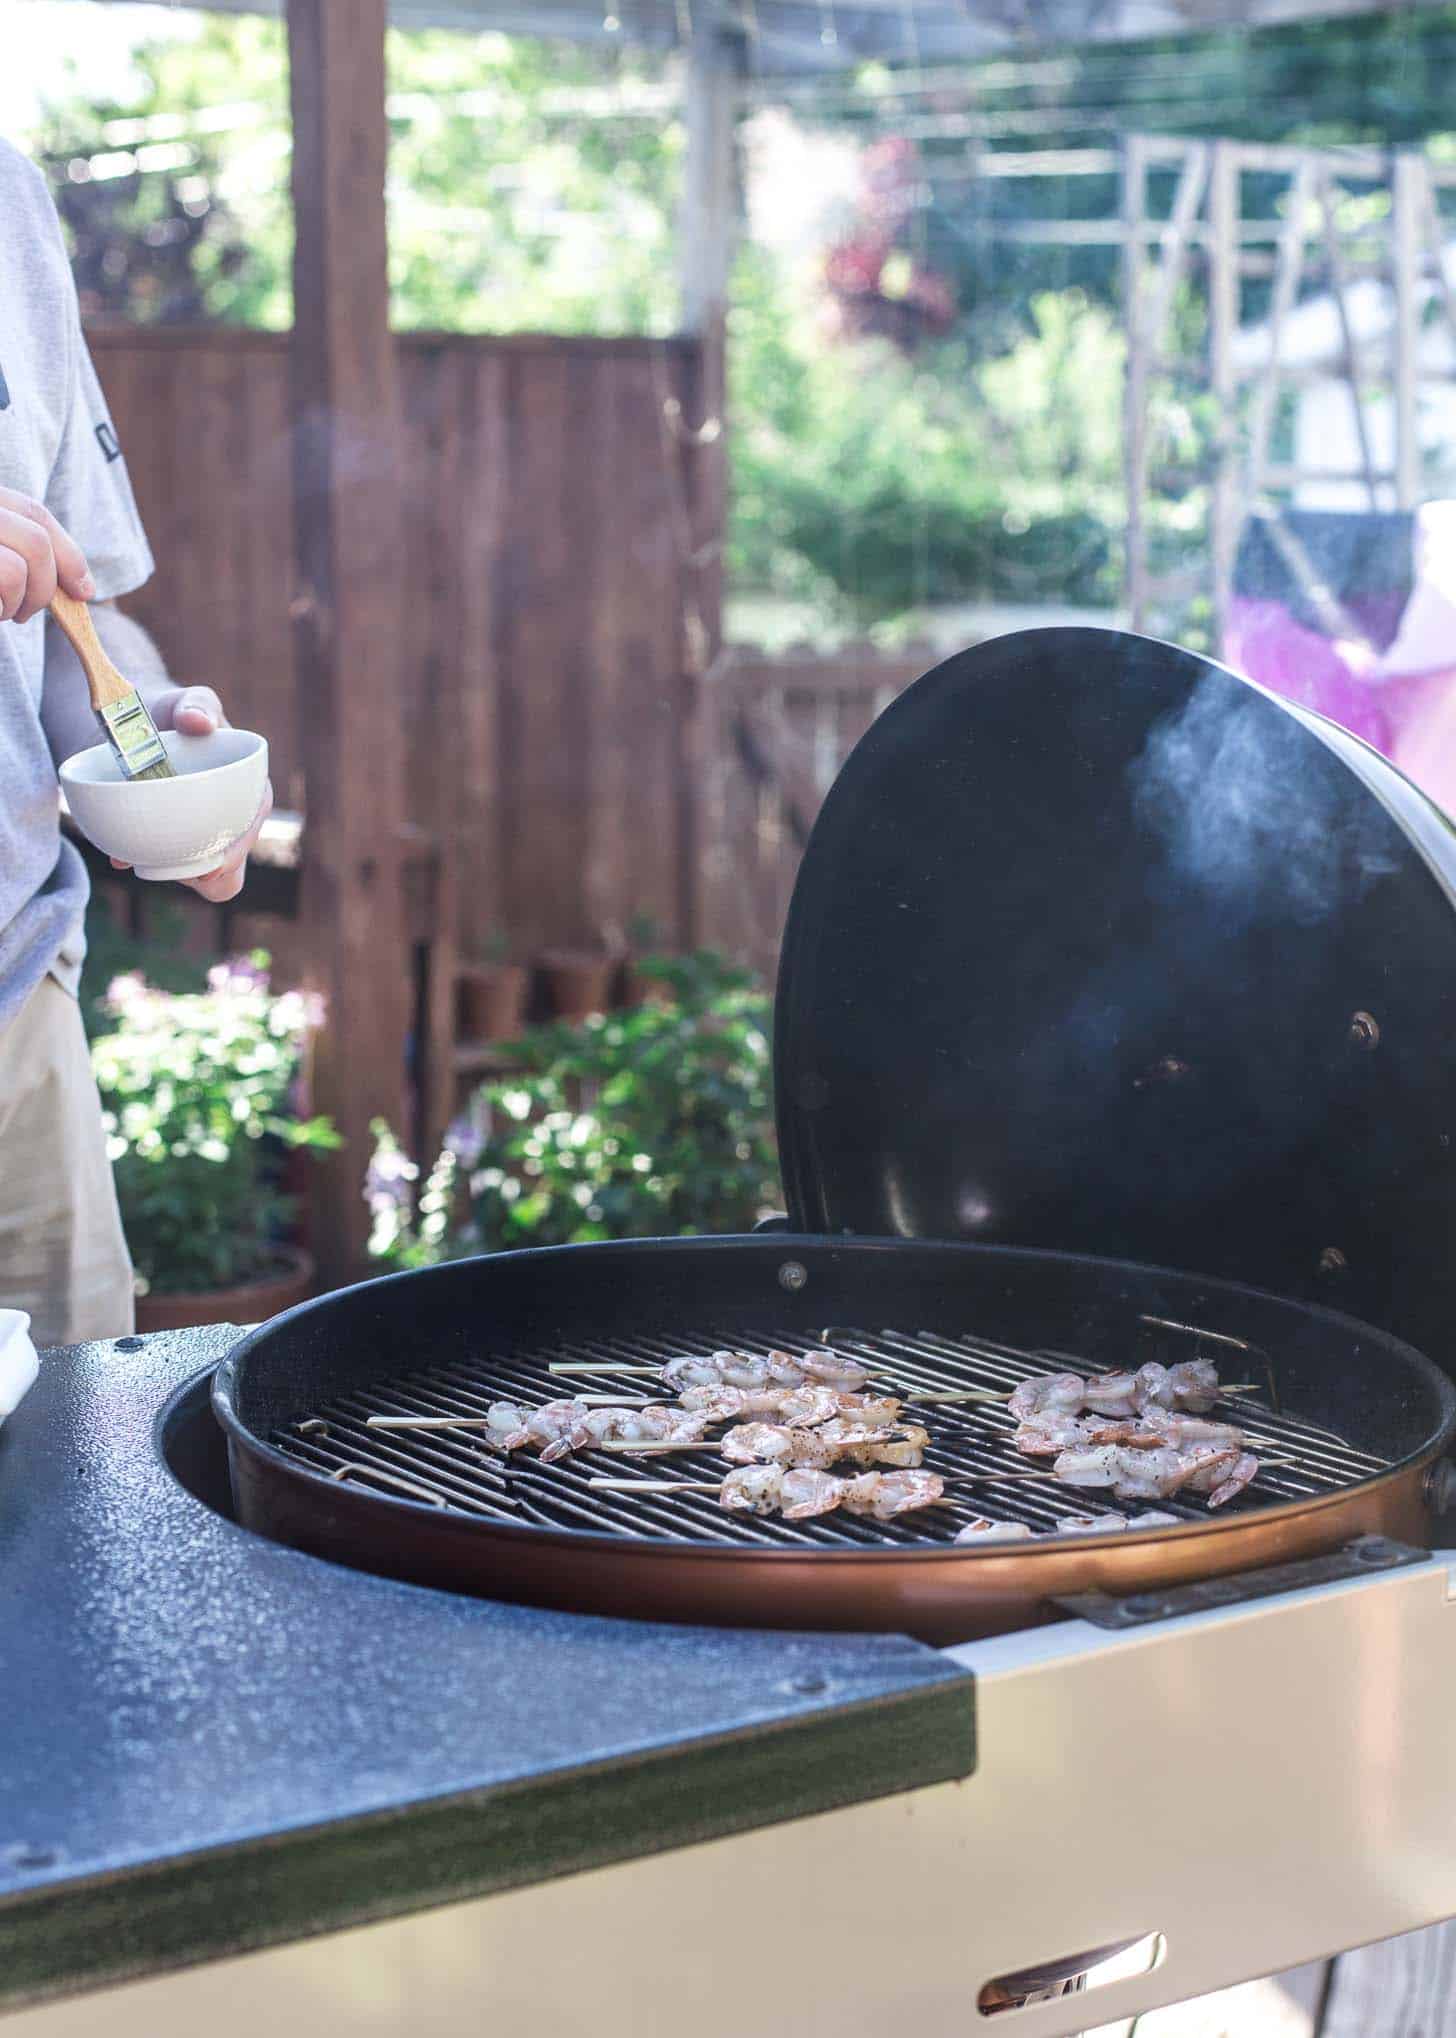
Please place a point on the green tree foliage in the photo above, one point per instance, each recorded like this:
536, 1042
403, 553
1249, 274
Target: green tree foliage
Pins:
531, 185
872, 484
534, 186
1381, 78
174, 190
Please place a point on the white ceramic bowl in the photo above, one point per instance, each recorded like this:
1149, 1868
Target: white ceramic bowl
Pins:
18, 1362
170, 827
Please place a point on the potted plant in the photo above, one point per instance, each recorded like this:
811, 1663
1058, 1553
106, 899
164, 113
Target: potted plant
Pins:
642, 984
200, 1094
649, 1122
490, 995
578, 982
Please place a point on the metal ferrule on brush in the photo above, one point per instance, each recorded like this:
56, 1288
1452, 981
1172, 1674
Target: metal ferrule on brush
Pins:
133, 736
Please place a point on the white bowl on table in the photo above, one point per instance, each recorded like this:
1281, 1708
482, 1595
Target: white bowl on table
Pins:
18, 1361
170, 827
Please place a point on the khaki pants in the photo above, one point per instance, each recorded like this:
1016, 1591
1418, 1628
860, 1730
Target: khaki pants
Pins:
62, 1253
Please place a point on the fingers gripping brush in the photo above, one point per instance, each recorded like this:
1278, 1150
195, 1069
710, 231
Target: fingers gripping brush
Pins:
120, 709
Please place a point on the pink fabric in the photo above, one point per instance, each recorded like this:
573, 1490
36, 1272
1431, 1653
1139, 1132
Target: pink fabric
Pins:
1265, 642
1401, 701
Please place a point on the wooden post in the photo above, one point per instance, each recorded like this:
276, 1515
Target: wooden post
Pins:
1288, 270
1135, 385
1339, 287
705, 228
348, 528
1407, 261
1223, 323
706, 233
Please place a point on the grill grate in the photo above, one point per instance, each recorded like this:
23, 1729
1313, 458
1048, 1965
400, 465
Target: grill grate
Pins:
459, 1472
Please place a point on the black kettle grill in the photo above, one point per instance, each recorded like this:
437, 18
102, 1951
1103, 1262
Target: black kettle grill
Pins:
1101, 962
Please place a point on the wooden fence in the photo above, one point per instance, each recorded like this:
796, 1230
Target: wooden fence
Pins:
546, 689
779, 729
579, 753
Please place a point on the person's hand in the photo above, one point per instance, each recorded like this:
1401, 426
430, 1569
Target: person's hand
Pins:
36, 557
197, 711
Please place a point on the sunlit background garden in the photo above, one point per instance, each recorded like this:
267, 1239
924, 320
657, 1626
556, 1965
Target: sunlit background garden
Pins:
926, 438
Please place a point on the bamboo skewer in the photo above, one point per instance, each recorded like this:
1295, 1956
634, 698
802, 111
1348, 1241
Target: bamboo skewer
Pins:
427, 1422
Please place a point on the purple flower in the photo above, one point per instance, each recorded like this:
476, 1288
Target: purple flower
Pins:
466, 1141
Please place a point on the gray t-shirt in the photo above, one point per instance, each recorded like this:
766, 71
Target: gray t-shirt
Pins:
56, 443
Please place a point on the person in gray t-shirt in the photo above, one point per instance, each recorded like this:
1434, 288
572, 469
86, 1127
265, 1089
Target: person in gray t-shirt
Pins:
68, 520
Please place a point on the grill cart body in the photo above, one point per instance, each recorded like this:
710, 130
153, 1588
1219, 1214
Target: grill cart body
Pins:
268, 1793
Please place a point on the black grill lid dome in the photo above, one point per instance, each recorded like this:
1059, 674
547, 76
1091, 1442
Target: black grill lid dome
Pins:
1097, 946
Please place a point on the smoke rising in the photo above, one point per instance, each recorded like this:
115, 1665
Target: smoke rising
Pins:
1255, 812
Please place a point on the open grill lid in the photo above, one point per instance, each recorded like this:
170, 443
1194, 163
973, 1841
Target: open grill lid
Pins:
1097, 946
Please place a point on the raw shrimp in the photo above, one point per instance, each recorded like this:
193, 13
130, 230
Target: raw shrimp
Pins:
554, 1429
984, 1530
1110, 1394
1182, 1430
906, 1452
1090, 1524
807, 1493
1143, 1475
900, 1444
733, 1404
1047, 1394
656, 1424
1245, 1469
1157, 1428
886, 1494
767, 1489
775, 1443
1042, 1436
1154, 1387
722, 1369
504, 1420
756, 1489
1195, 1383
779, 1369
867, 1411
810, 1404
1191, 1385
829, 1368
1208, 1467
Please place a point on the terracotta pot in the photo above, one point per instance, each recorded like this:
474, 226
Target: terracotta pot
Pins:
490, 1000
249, 1302
638, 989
577, 985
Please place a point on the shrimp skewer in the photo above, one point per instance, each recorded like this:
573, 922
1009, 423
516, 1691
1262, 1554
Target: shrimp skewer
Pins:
741, 1369
752, 1372
800, 1492
1149, 1475
901, 1445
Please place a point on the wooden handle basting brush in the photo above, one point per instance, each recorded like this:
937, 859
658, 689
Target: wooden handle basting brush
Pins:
120, 709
